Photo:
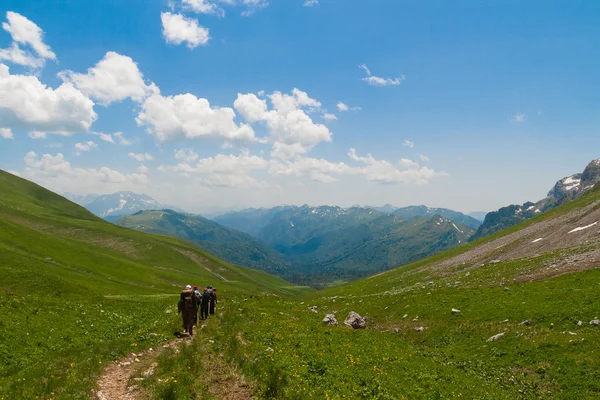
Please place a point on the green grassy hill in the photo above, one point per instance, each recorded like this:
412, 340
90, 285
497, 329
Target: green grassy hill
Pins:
415, 347
78, 292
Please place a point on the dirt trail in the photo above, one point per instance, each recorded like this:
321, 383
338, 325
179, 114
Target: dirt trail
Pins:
118, 381
115, 381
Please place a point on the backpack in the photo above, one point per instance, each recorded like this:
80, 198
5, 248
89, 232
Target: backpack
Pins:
206, 295
188, 300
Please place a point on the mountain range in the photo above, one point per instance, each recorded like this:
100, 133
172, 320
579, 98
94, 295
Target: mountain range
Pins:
113, 206
565, 190
309, 245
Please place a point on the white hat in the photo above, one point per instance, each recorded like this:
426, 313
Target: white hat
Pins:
188, 287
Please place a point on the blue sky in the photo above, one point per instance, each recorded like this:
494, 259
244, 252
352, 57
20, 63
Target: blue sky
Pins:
470, 105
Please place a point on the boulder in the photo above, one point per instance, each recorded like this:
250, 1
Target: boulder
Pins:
330, 320
313, 309
396, 330
355, 321
496, 337
420, 329
526, 322
405, 316
455, 311
579, 323
595, 322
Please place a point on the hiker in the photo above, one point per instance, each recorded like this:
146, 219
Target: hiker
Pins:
213, 300
204, 304
198, 297
187, 306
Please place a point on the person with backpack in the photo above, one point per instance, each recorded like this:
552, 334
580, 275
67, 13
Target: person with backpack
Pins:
213, 301
187, 306
204, 304
198, 297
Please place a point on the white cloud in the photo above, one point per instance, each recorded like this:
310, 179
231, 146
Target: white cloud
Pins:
378, 81
223, 170
142, 169
291, 129
24, 31
110, 138
141, 156
178, 29
107, 137
57, 174
329, 117
319, 170
344, 107
203, 7
85, 146
54, 145
185, 117
27, 33
6, 133
27, 103
186, 155
36, 135
311, 3
113, 79
16, 55
519, 117
382, 171
424, 158
122, 140
409, 144
211, 7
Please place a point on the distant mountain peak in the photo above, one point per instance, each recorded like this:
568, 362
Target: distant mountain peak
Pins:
566, 189
123, 203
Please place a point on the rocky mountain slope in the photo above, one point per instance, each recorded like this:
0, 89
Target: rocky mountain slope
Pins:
423, 211
565, 190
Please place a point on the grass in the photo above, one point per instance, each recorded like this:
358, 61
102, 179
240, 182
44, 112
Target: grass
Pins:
283, 346
77, 292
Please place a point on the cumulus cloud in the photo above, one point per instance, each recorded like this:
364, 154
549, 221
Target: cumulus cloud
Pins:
27, 103
36, 135
344, 107
186, 117
141, 156
378, 81
114, 78
330, 117
311, 3
382, 171
114, 138
409, 144
85, 146
203, 7
291, 129
424, 158
178, 29
223, 170
27, 33
317, 169
57, 174
186, 155
6, 133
